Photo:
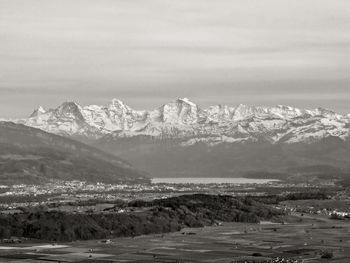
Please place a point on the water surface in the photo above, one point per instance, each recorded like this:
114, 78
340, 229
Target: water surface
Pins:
210, 180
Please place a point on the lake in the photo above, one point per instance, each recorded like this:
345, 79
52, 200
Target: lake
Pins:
210, 180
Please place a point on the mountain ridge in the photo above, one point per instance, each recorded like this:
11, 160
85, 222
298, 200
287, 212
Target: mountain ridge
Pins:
183, 119
30, 155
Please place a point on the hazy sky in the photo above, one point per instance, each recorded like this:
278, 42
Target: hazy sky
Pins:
148, 52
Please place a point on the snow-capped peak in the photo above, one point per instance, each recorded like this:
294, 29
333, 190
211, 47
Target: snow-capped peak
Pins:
118, 103
181, 111
186, 100
119, 106
286, 112
183, 118
244, 111
69, 106
39, 111
70, 109
323, 111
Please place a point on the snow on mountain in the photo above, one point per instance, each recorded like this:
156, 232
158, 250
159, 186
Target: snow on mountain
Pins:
220, 113
185, 120
38, 111
182, 112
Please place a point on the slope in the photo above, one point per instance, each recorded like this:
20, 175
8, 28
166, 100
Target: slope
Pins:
168, 158
29, 155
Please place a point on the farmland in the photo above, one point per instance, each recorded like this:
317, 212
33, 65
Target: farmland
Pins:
306, 238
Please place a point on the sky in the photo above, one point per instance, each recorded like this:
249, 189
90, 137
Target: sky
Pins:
150, 52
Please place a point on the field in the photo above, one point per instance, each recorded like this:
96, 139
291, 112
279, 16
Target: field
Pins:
300, 239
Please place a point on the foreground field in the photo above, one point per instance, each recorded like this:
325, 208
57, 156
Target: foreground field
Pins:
304, 239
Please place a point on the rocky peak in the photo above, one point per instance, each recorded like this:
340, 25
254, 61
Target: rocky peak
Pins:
182, 117
181, 111
118, 105
39, 111
286, 112
70, 110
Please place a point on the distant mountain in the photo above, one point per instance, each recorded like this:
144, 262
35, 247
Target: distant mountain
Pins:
182, 139
29, 155
169, 158
185, 120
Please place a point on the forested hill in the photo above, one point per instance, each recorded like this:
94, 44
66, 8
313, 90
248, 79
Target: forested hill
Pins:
158, 216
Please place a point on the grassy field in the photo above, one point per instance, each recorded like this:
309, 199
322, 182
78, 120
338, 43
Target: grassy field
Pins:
303, 239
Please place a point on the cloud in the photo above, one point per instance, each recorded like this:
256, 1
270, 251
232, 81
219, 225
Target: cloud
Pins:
91, 50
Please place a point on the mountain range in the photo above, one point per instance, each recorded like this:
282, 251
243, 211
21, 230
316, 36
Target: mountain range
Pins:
182, 119
182, 139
